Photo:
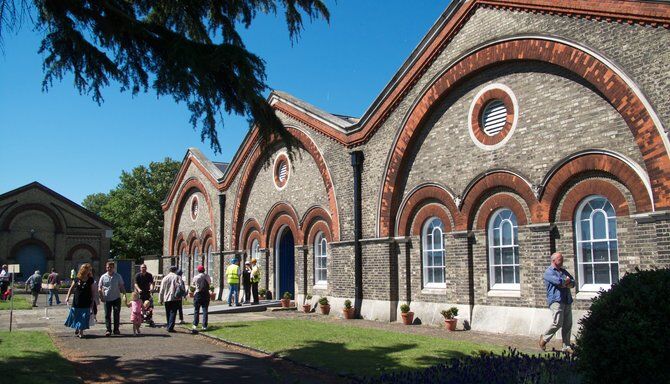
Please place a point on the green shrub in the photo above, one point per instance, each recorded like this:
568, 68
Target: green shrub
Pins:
624, 337
323, 300
450, 313
404, 308
308, 297
262, 291
347, 304
287, 295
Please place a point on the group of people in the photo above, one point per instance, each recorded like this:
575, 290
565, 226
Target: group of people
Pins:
250, 276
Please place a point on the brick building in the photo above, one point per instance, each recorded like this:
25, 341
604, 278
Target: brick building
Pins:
514, 129
41, 229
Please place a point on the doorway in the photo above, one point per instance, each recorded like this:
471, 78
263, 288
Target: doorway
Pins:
285, 259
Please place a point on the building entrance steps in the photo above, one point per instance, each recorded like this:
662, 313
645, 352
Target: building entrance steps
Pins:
225, 308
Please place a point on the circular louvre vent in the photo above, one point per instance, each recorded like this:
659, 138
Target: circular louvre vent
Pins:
494, 117
282, 172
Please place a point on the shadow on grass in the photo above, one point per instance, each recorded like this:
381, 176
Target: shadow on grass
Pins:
37, 367
370, 361
220, 367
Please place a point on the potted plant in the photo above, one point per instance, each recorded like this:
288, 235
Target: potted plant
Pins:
407, 316
307, 306
286, 300
261, 293
449, 317
212, 296
191, 291
324, 306
348, 310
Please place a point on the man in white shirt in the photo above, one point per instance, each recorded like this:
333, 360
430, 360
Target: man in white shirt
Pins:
111, 288
201, 297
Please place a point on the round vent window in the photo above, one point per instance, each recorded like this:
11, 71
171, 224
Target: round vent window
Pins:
281, 171
493, 116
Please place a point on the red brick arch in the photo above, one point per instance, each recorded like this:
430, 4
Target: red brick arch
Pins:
311, 218
281, 214
255, 161
255, 235
250, 227
47, 251
582, 63
432, 196
496, 202
484, 184
185, 191
426, 212
319, 226
592, 187
603, 163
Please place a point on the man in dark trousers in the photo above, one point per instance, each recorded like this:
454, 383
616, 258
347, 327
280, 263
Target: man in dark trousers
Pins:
144, 285
53, 281
246, 282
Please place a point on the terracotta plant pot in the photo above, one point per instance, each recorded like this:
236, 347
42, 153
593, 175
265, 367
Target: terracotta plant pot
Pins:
348, 313
450, 324
212, 296
407, 318
285, 303
306, 308
325, 309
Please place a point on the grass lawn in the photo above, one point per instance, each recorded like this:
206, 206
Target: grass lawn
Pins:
346, 349
30, 357
19, 303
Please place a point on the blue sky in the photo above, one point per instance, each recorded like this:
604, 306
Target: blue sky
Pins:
70, 144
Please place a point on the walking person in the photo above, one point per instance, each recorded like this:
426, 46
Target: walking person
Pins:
246, 282
233, 280
558, 282
144, 285
110, 288
135, 306
53, 283
34, 284
4, 280
255, 279
83, 288
170, 295
180, 309
201, 298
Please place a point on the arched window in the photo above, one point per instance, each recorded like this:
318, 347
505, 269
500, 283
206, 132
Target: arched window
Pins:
255, 249
210, 259
183, 260
196, 261
320, 259
504, 250
433, 253
597, 245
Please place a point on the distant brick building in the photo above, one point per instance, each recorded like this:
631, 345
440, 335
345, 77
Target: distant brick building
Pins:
515, 128
40, 229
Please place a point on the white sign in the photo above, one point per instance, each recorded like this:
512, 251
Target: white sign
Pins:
14, 268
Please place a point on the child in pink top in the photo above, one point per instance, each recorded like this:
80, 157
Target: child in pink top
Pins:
135, 306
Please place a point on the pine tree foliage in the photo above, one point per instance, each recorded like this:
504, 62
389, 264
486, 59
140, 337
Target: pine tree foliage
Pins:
188, 49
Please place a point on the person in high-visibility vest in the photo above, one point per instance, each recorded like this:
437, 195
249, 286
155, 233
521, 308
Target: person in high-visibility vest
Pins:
233, 279
255, 279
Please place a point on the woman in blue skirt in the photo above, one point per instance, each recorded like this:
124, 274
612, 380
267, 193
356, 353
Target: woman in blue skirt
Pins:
84, 290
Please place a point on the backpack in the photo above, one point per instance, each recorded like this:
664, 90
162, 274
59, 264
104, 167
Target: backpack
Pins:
37, 283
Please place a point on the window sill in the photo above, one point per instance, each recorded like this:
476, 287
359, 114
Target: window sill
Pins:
501, 293
434, 290
320, 286
585, 295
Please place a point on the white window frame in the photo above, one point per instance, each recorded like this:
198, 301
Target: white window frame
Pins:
579, 241
320, 252
196, 260
255, 249
493, 247
210, 259
184, 257
436, 233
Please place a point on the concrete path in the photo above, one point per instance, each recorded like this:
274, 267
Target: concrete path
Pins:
158, 356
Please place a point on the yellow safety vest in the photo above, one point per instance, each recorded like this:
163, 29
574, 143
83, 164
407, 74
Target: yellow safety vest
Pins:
232, 275
255, 274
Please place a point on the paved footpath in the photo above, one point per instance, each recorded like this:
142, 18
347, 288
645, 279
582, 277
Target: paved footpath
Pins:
158, 356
